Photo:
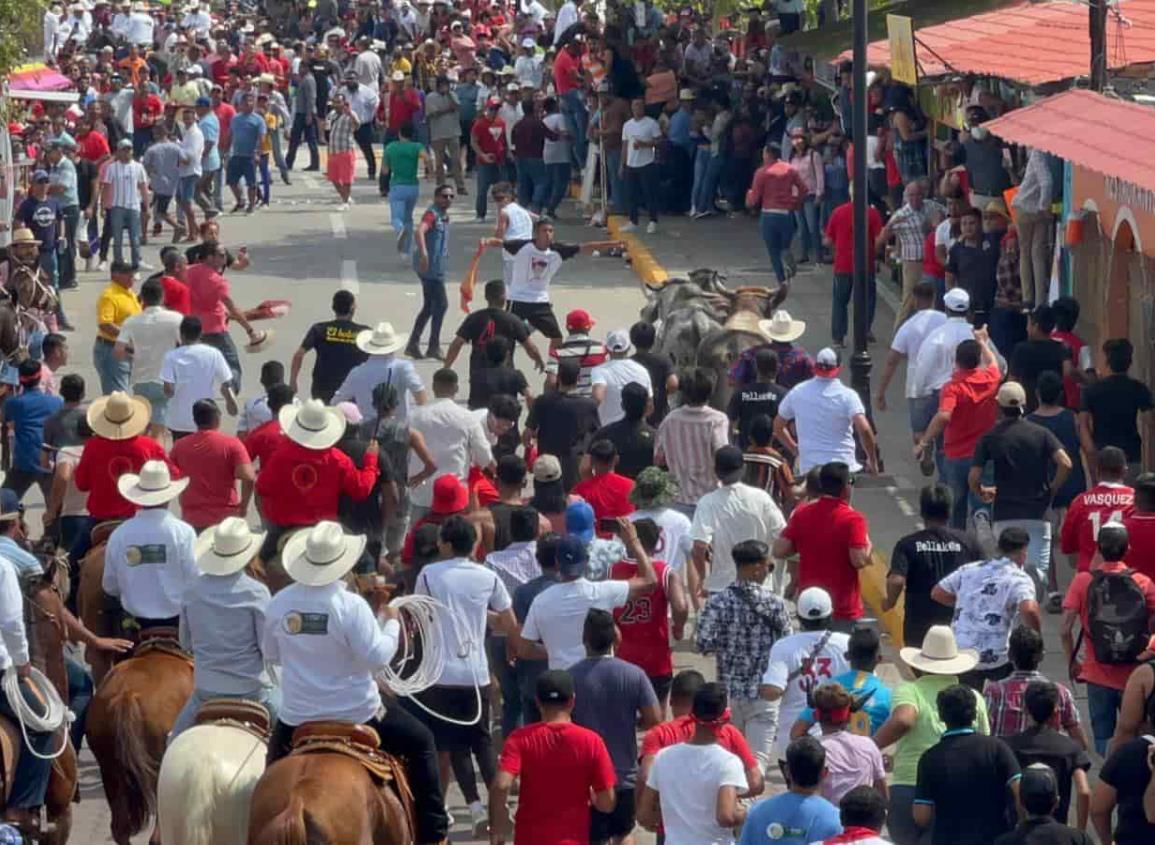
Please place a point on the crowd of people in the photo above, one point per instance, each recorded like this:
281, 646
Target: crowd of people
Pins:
574, 529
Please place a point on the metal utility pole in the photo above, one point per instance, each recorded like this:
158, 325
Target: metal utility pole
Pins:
1097, 12
860, 363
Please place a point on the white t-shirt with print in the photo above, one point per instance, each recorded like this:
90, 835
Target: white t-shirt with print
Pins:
799, 663
989, 593
644, 129
532, 270
687, 779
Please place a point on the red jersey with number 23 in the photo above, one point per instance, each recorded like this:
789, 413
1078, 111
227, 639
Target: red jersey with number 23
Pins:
1090, 511
645, 622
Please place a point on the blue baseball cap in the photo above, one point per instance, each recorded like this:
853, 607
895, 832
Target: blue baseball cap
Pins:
204, 103
10, 503
579, 521
572, 555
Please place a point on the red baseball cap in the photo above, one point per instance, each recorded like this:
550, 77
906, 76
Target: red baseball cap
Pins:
579, 320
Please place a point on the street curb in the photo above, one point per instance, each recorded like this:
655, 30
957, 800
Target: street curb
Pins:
647, 268
872, 582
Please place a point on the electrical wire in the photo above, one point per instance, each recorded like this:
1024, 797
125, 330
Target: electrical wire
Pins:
57, 713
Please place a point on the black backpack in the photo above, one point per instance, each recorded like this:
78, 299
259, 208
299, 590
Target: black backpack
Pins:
1117, 623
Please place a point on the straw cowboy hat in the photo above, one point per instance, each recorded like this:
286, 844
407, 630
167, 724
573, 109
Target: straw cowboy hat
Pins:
381, 340
24, 237
781, 327
119, 416
261, 341
321, 555
311, 424
152, 487
940, 654
228, 547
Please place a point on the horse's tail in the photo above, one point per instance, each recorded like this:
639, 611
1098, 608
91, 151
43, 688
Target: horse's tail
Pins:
135, 800
292, 826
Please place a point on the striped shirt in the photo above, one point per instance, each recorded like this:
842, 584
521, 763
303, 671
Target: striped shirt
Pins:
588, 352
341, 127
124, 178
687, 441
909, 226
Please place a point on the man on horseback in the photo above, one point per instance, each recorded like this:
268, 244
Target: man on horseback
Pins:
149, 560
329, 644
221, 619
30, 292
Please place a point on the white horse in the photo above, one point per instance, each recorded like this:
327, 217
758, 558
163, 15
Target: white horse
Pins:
206, 783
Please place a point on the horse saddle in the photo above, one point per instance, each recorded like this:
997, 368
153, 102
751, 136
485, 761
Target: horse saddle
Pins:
164, 640
236, 712
102, 530
363, 744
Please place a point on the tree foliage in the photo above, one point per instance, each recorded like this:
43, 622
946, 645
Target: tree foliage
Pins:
21, 32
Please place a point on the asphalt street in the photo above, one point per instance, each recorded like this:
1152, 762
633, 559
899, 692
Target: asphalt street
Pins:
303, 249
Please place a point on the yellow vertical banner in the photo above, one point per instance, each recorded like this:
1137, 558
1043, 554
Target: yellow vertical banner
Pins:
900, 34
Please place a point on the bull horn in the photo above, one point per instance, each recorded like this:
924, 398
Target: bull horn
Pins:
778, 296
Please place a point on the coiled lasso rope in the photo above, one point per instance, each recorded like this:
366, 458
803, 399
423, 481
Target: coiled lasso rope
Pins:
423, 616
57, 712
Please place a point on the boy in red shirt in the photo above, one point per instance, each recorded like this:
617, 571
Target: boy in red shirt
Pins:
561, 767
839, 236
1108, 501
1140, 525
214, 461
607, 492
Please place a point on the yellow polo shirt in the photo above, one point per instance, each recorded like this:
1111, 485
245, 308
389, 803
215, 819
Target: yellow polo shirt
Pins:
115, 305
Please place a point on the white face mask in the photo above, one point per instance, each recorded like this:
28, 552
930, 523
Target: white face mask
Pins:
980, 133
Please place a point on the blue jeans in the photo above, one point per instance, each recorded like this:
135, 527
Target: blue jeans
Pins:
488, 175
1103, 703
80, 689
30, 780
810, 236
113, 374
224, 344
265, 179
120, 219
777, 232
573, 108
1039, 550
402, 201
900, 818
617, 202
706, 192
532, 187
701, 159
433, 307
954, 475
843, 292
557, 177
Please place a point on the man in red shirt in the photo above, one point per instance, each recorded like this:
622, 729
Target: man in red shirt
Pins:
221, 64
607, 492
1140, 525
176, 295
966, 411
562, 766
567, 79
1105, 681
147, 110
263, 440
90, 144
839, 235
1108, 501
832, 542
214, 462
305, 477
777, 190
401, 107
487, 137
209, 301
225, 114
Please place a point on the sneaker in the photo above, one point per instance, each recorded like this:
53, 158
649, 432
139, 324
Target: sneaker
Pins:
478, 219
478, 820
144, 265
413, 352
401, 241
791, 264
250, 209
435, 353
88, 265
701, 215
627, 227
462, 192
285, 178
1054, 602
652, 228
926, 461
102, 266
238, 208
342, 206
693, 212
351, 201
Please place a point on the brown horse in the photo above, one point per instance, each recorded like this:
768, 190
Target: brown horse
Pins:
131, 714
91, 603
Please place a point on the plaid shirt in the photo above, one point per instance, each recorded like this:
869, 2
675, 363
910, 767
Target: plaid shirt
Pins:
1005, 707
909, 226
1009, 290
341, 127
794, 365
738, 626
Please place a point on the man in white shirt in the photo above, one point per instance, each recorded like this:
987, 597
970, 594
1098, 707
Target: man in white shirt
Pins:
639, 167
150, 559
732, 514
124, 192
192, 149
140, 27
145, 338
196, 21
383, 367
194, 371
329, 644
802, 661
367, 66
52, 30
567, 16
553, 626
826, 416
689, 437
527, 68
454, 436
608, 379
469, 593
934, 363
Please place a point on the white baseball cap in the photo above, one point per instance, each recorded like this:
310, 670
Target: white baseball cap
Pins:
956, 299
814, 603
618, 341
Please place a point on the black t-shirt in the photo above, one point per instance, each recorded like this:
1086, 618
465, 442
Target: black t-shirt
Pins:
974, 270
659, 367
635, 444
1114, 403
62, 428
925, 558
335, 342
482, 326
1044, 831
750, 401
564, 423
1032, 357
1127, 771
487, 382
1059, 751
967, 778
1022, 453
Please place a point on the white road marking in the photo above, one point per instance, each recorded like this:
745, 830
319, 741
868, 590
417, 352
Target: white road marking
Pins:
311, 183
337, 222
903, 505
349, 279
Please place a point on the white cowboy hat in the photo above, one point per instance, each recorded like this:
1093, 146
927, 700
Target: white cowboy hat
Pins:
312, 425
381, 340
263, 340
119, 416
228, 547
940, 654
322, 554
782, 327
153, 486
